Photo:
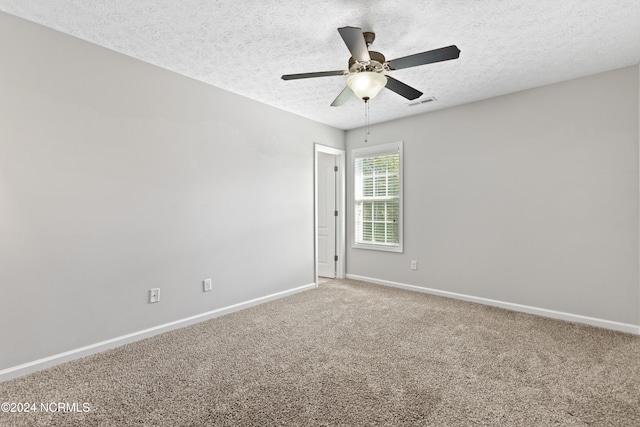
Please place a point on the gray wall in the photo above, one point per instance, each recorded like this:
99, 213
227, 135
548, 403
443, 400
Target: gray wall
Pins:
117, 176
529, 198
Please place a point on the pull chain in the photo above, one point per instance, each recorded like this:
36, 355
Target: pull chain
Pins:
366, 119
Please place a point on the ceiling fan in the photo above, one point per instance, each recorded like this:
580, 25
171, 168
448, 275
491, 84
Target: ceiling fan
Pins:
366, 67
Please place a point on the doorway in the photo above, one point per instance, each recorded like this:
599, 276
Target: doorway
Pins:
329, 212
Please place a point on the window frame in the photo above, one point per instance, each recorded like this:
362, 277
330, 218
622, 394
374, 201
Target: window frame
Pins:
371, 151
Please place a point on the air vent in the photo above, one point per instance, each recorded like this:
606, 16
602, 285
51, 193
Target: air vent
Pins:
422, 101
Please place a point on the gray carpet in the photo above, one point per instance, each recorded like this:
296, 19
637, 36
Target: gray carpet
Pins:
352, 354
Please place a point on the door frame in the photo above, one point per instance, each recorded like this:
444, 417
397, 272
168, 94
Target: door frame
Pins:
341, 205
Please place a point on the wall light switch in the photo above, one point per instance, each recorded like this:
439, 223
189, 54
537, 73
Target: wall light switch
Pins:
154, 295
207, 286
414, 264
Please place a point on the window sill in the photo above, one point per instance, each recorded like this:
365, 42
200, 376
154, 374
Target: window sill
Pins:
384, 248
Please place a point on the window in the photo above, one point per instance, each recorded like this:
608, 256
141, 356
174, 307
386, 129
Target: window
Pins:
378, 197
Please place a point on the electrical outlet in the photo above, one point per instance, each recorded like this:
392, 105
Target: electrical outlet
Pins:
414, 264
206, 285
154, 295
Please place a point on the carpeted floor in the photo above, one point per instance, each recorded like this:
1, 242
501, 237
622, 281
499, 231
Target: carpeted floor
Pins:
351, 354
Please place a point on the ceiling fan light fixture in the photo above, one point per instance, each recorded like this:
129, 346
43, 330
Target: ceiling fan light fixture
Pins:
366, 84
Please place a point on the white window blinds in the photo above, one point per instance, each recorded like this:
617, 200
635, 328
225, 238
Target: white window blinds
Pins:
378, 180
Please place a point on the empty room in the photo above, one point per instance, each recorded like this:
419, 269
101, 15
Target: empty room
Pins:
319, 213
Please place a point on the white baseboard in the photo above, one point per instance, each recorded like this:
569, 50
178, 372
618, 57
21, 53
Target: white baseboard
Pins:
576, 318
47, 362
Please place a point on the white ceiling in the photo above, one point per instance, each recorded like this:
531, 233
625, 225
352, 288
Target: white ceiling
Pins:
245, 46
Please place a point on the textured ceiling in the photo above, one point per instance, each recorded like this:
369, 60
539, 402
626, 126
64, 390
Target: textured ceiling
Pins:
245, 46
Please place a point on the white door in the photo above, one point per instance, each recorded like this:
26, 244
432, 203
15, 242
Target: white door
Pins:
326, 215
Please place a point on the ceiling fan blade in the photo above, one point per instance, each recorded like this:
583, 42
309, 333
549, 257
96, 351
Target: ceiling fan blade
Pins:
318, 74
402, 89
429, 57
354, 39
342, 98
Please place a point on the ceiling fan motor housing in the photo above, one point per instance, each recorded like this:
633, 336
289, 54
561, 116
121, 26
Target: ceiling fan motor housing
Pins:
376, 64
